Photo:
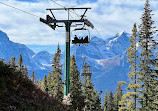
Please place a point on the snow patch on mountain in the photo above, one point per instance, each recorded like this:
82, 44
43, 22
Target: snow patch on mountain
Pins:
43, 57
9, 49
101, 62
119, 43
106, 57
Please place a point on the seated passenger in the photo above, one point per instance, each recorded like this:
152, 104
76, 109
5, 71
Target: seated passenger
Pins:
75, 38
86, 39
81, 40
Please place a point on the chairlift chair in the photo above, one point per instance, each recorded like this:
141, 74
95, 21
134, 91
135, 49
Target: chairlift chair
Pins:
81, 40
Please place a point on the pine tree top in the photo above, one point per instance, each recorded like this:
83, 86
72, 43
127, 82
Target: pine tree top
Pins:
45, 76
20, 60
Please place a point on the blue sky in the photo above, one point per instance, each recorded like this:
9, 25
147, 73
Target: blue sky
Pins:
108, 16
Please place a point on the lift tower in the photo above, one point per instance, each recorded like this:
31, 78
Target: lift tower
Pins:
53, 23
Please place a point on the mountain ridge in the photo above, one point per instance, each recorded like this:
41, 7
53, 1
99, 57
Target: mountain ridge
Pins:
107, 62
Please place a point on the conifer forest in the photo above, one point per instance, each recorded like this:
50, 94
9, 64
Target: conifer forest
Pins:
67, 79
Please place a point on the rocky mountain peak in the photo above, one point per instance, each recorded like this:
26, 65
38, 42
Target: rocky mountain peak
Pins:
3, 37
97, 39
122, 33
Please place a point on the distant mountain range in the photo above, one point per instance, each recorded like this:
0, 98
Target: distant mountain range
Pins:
39, 62
107, 58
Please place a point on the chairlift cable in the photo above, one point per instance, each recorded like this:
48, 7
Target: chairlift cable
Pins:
77, 15
19, 9
60, 33
66, 10
61, 6
27, 13
94, 26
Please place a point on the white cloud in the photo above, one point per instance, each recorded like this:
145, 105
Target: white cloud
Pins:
108, 16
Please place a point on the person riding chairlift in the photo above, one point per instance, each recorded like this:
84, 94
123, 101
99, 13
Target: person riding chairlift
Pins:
75, 38
86, 39
80, 39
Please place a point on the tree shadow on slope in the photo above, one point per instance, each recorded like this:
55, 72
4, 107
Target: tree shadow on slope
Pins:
18, 93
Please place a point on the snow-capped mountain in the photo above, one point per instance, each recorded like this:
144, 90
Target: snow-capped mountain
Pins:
119, 43
9, 49
106, 57
43, 58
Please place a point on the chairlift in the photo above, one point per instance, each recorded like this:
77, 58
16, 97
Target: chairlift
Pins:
48, 22
81, 40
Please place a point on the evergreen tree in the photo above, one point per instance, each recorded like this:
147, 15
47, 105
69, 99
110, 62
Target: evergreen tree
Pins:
20, 63
33, 77
105, 106
92, 100
22, 95
57, 87
49, 84
120, 100
44, 84
118, 96
87, 89
77, 100
39, 84
12, 62
147, 77
25, 71
126, 104
133, 75
87, 92
111, 101
155, 88
123, 104
96, 104
20, 66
